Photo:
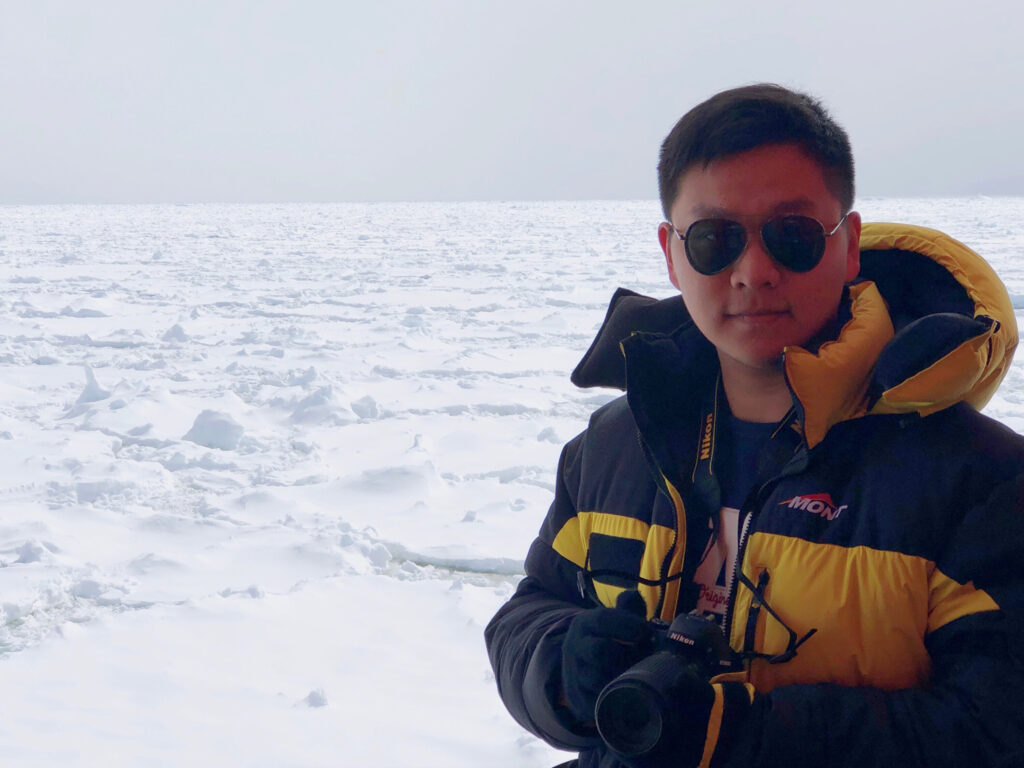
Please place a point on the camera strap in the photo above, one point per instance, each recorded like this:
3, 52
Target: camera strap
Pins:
784, 441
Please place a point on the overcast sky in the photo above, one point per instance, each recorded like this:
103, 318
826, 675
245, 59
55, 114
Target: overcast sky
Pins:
473, 100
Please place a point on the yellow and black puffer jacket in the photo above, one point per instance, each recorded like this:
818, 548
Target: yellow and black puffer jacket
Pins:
894, 529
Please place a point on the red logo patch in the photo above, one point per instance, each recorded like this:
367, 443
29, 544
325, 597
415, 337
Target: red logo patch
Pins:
817, 504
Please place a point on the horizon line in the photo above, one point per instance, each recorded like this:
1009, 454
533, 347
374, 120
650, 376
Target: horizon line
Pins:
497, 201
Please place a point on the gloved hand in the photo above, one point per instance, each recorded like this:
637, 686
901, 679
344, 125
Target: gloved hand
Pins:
601, 644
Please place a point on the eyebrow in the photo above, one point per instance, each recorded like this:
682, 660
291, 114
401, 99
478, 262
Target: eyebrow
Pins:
796, 205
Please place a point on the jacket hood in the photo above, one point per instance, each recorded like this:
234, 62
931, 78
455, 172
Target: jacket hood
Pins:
929, 325
955, 329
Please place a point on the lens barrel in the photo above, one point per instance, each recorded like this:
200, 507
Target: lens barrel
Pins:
633, 712
649, 710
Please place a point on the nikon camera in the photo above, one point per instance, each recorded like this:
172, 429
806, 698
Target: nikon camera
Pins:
635, 711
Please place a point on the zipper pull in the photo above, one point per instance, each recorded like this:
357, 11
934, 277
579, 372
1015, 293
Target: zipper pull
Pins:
755, 610
585, 586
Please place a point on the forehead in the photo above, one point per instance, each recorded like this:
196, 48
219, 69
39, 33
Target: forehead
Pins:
767, 180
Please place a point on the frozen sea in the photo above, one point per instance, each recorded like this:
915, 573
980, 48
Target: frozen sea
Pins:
267, 471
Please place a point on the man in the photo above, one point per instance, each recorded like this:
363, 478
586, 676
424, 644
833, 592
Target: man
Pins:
799, 459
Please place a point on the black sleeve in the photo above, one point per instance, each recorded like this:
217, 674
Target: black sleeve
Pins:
968, 714
524, 639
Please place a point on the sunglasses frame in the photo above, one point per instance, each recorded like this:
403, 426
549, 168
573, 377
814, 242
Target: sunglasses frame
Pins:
746, 241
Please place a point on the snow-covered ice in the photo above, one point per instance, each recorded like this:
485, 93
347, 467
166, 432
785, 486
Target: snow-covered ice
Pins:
267, 471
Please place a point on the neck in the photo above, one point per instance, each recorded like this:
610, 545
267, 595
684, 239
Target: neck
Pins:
755, 394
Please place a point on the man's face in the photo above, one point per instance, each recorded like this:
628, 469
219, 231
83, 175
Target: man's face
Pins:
755, 308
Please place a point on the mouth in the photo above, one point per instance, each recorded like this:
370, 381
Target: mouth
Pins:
757, 315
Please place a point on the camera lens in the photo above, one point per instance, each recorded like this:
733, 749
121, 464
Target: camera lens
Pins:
629, 717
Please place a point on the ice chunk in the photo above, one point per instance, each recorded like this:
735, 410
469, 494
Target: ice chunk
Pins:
175, 333
93, 392
316, 698
365, 408
215, 429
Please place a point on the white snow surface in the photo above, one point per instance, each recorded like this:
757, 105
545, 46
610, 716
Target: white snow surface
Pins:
267, 471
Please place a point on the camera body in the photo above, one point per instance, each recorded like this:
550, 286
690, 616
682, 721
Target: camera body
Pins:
697, 639
638, 712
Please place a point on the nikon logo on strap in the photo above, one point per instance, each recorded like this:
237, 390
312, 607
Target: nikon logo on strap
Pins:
705, 442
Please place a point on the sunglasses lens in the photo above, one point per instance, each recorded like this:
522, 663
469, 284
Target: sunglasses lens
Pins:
796, 242
714, 244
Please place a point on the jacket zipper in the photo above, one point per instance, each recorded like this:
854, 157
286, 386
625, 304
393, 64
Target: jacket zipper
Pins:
734, 579
750, 510
757, 495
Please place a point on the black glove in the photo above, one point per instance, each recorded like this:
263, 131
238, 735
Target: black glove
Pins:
601, 644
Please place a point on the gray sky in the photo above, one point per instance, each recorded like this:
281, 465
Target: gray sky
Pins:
475, 100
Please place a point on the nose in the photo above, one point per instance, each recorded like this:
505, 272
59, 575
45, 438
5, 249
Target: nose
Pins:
755, 268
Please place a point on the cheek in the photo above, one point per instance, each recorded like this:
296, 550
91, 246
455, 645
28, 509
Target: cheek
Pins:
821, 299
701, 302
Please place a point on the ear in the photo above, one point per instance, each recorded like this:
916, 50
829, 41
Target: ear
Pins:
852, 245
665, 238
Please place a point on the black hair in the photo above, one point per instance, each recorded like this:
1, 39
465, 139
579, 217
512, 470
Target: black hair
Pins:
741, 119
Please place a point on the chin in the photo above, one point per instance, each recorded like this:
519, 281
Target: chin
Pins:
766, 356
771, 361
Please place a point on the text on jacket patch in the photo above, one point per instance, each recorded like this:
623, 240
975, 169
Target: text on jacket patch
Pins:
817, 504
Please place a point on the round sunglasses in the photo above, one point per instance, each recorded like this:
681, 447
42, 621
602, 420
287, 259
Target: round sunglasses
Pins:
794, 242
